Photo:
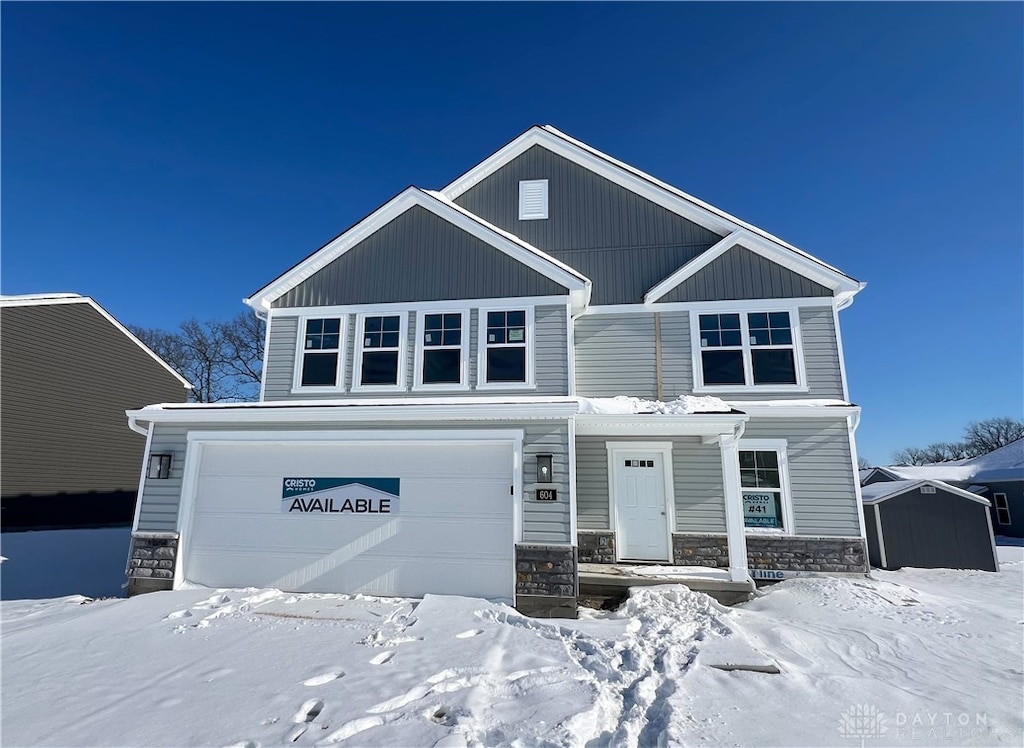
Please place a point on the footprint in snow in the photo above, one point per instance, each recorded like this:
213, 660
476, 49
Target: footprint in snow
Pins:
178, 614
469, 634
308, 711
319, 680
383, 657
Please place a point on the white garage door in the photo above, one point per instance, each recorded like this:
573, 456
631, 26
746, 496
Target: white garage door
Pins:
449, 531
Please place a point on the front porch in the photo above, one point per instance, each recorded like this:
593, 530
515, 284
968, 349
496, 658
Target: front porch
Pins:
612, 581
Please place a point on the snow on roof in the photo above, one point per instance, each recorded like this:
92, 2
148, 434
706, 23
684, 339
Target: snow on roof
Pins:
1005, 463
683, 405
877, 492
943, 471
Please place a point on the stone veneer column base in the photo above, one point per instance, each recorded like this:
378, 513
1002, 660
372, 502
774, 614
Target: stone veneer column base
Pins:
151, 562
596, 546
775, 553
547, 581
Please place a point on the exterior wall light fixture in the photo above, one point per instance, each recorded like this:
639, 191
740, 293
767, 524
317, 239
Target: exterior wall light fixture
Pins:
544, 468
159, 466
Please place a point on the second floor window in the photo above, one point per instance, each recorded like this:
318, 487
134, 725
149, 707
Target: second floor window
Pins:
380, 348
442, 349
321, 347
506, 347
747, 349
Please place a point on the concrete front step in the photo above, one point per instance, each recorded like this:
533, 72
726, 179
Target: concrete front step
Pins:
614, 580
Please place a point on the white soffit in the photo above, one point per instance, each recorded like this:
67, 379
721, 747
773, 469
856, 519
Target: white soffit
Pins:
444, 209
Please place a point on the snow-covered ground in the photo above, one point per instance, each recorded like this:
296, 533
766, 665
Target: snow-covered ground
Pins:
915, 657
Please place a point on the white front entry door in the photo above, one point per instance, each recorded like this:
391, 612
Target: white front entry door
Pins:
641, 505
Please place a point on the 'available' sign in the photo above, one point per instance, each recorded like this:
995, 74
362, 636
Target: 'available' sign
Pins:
340, 496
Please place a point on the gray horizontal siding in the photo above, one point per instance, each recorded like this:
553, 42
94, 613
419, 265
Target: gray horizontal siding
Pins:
696, 475
820, 473
543, 522
615, 355
68, 375
418, 256
550, 354
742, 274
623, 242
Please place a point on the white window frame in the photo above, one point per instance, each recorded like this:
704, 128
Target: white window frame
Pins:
300, 353
1004, 508
743, 309
421, 348
358, 335
482, 346
526, 184
780, 447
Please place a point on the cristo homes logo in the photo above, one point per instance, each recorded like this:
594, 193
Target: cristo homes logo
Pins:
340, 495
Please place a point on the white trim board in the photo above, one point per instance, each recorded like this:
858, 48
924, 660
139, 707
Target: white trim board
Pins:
938, 484
639, 182
576, 283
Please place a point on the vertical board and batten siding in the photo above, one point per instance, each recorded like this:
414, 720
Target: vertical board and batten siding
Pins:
550, 357
68, 377
418, 256
696, 476
742, 274
623, 242
615, 355
821, 475
543, 522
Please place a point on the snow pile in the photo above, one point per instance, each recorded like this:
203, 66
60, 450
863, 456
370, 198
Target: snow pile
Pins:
914, 657
683, 405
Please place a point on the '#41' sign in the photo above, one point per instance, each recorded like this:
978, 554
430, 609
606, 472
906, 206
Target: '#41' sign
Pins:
340, 495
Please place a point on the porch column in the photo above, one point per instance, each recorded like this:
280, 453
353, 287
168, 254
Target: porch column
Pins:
734, 509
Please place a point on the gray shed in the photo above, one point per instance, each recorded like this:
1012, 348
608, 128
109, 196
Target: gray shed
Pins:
928, 524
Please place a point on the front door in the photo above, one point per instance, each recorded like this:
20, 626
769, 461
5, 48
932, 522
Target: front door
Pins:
642, 512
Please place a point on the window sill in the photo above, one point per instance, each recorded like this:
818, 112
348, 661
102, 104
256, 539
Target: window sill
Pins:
767, 532
440, 388
356, 389
506, 386
317, 391
752, 389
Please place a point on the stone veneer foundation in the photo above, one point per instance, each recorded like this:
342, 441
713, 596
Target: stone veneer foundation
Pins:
596, 546
547, 582
807, 554
151, 562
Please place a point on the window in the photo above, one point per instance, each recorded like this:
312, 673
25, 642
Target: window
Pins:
321, 343
533, 199
441, 353
740, 350
1002, 509
506, 358
764, 485
379, 357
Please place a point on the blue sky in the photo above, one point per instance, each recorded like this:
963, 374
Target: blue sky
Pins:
170, 159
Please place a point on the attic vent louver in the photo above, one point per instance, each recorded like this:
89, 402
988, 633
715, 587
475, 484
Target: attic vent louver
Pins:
533, 199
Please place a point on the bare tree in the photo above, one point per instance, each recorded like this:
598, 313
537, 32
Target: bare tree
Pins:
980, 437
984, 436
863, 463
222, 360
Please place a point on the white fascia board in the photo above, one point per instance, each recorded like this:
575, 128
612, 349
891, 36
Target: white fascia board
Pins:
798, 263
838, 411
937, 484
508, 411
728, 305
71, 298
633, 179
409, 198
698, 424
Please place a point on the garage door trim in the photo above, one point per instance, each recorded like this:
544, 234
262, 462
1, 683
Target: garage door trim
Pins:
196, 440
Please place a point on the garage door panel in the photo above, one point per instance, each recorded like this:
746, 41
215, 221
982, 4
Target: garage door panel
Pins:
452, 533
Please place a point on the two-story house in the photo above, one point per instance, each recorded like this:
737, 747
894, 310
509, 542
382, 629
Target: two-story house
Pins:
432, 416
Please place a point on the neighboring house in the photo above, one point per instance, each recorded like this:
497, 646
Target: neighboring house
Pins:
446, 346
68, 371
997, 475
928, 524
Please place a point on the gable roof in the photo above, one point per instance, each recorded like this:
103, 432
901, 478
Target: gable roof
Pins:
878, 492
669, 197
52, 299
543, 263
